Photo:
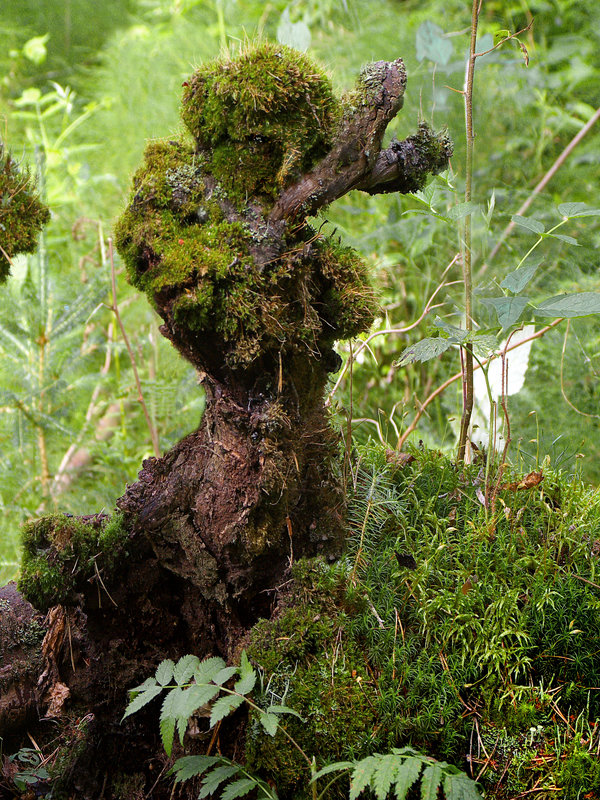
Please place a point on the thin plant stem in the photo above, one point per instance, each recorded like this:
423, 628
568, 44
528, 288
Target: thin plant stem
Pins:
115, 310
467, 271
453, 378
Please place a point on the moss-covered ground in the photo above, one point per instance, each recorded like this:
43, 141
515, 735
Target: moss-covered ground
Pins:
470, 635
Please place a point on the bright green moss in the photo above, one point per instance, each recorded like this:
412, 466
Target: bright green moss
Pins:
22, 214
61, 553
264, 117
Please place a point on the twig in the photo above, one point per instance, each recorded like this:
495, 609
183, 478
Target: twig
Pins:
440, 389
547, 177
115, 310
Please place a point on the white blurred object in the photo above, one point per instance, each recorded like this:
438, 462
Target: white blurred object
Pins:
517, 361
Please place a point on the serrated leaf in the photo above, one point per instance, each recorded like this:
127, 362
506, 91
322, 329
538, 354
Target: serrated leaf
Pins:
224, 674
361, 776
277, 709
215, 778
246, 683
407, 774
208, 668
517, 280
563, 238
170, 703
143, 686
455, 333
184, 669
141, 700
167, 733
239, 788
191, 766
164, 671
190, 700
581, 304
461, 210
224, 706
460, 786
337, 767
484, 344
430, 781
432, 44
508, 309
424, 350
533, 225
577, 210
384, 775
270, 722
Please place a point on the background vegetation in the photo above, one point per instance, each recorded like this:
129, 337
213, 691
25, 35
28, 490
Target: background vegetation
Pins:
83, 89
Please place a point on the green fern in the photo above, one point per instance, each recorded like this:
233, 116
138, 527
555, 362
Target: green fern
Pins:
400, 771
238, 781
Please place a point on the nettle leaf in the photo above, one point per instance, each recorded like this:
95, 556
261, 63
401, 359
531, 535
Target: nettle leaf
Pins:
455, 333
432, 44
164, 671
508, 309
190, 766
517, 280
528, 223
208, 668
577, 210
424, 350
185, 668
430, 781
141, 700
570, 305
215, 778
223, 707
484, 344
563, 238
224, 674
462, 210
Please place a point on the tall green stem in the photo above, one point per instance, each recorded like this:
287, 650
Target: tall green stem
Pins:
467, 271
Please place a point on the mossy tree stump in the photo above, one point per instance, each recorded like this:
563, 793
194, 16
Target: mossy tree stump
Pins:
216, 235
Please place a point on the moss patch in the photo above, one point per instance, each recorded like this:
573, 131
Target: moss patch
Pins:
22, 214
61, 553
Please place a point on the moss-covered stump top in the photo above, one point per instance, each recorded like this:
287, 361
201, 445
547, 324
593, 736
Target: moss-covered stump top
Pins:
22, 214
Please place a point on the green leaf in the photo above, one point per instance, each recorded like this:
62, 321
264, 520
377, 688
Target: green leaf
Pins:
508, 309
246, 683
517, 280
337, 767
164, 671
430, 781
270, 723
483, 344
167, 733
500, 35
456, 334
570, 305
193, 698
384, 775
577, 210
424, 350
215, 778
224, 706
462, 210
432, 44
141, 700
184, 669
361, 776
276, 709
459, 786
34, 49
528, 223
191, 766
407, 774
224, 674
208, 669
563, 238
239, 788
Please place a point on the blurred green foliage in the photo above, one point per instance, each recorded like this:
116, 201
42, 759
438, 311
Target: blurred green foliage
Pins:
87, 86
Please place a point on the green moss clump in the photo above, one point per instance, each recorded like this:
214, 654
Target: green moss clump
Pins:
22, 213
61, 553
265, 117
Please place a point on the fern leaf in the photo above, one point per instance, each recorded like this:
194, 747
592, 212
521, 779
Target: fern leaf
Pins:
141, 700
431, 780
208, 669
239, 788
164, 671
215, 778
223, 707
184, 669
167, 732
224, 674
191, 766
